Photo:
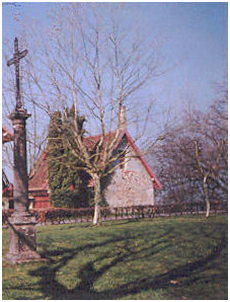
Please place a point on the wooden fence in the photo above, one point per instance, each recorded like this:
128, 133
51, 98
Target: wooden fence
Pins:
66, 215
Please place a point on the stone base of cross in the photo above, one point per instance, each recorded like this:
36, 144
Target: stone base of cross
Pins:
22, 237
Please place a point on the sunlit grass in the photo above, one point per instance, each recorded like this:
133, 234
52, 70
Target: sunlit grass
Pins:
163, 258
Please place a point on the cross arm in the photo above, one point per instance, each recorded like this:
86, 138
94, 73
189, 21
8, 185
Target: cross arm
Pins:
17, 57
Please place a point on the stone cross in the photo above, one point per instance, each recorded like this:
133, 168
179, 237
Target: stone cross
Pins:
22, 230
15, 60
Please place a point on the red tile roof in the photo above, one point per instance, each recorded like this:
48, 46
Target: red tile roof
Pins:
91, 141
38, 177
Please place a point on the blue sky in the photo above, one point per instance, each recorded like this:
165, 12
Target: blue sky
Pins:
198, 41
195, 49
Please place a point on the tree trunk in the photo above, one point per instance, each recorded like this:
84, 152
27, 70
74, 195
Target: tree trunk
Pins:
205, 176
97, 201
205, 189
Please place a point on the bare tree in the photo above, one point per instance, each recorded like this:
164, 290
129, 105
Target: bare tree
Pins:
193, 157
88, 58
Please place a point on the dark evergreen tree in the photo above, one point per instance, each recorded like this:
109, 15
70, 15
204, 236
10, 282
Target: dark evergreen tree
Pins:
67, 183
55, 151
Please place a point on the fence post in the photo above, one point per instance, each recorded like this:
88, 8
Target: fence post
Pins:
142, 212
170, 210
150, 211
132, 212
138, 212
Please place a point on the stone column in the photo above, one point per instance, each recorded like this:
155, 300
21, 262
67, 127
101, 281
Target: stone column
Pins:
22, 231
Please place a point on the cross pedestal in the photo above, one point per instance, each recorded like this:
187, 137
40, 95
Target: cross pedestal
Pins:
22, 230
22, 239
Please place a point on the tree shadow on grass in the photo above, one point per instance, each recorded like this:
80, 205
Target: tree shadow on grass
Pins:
189, 270
52, 289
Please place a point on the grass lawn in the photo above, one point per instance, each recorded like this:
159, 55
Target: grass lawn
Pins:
163, 258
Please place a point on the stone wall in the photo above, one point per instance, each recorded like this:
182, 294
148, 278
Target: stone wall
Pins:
130, 185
